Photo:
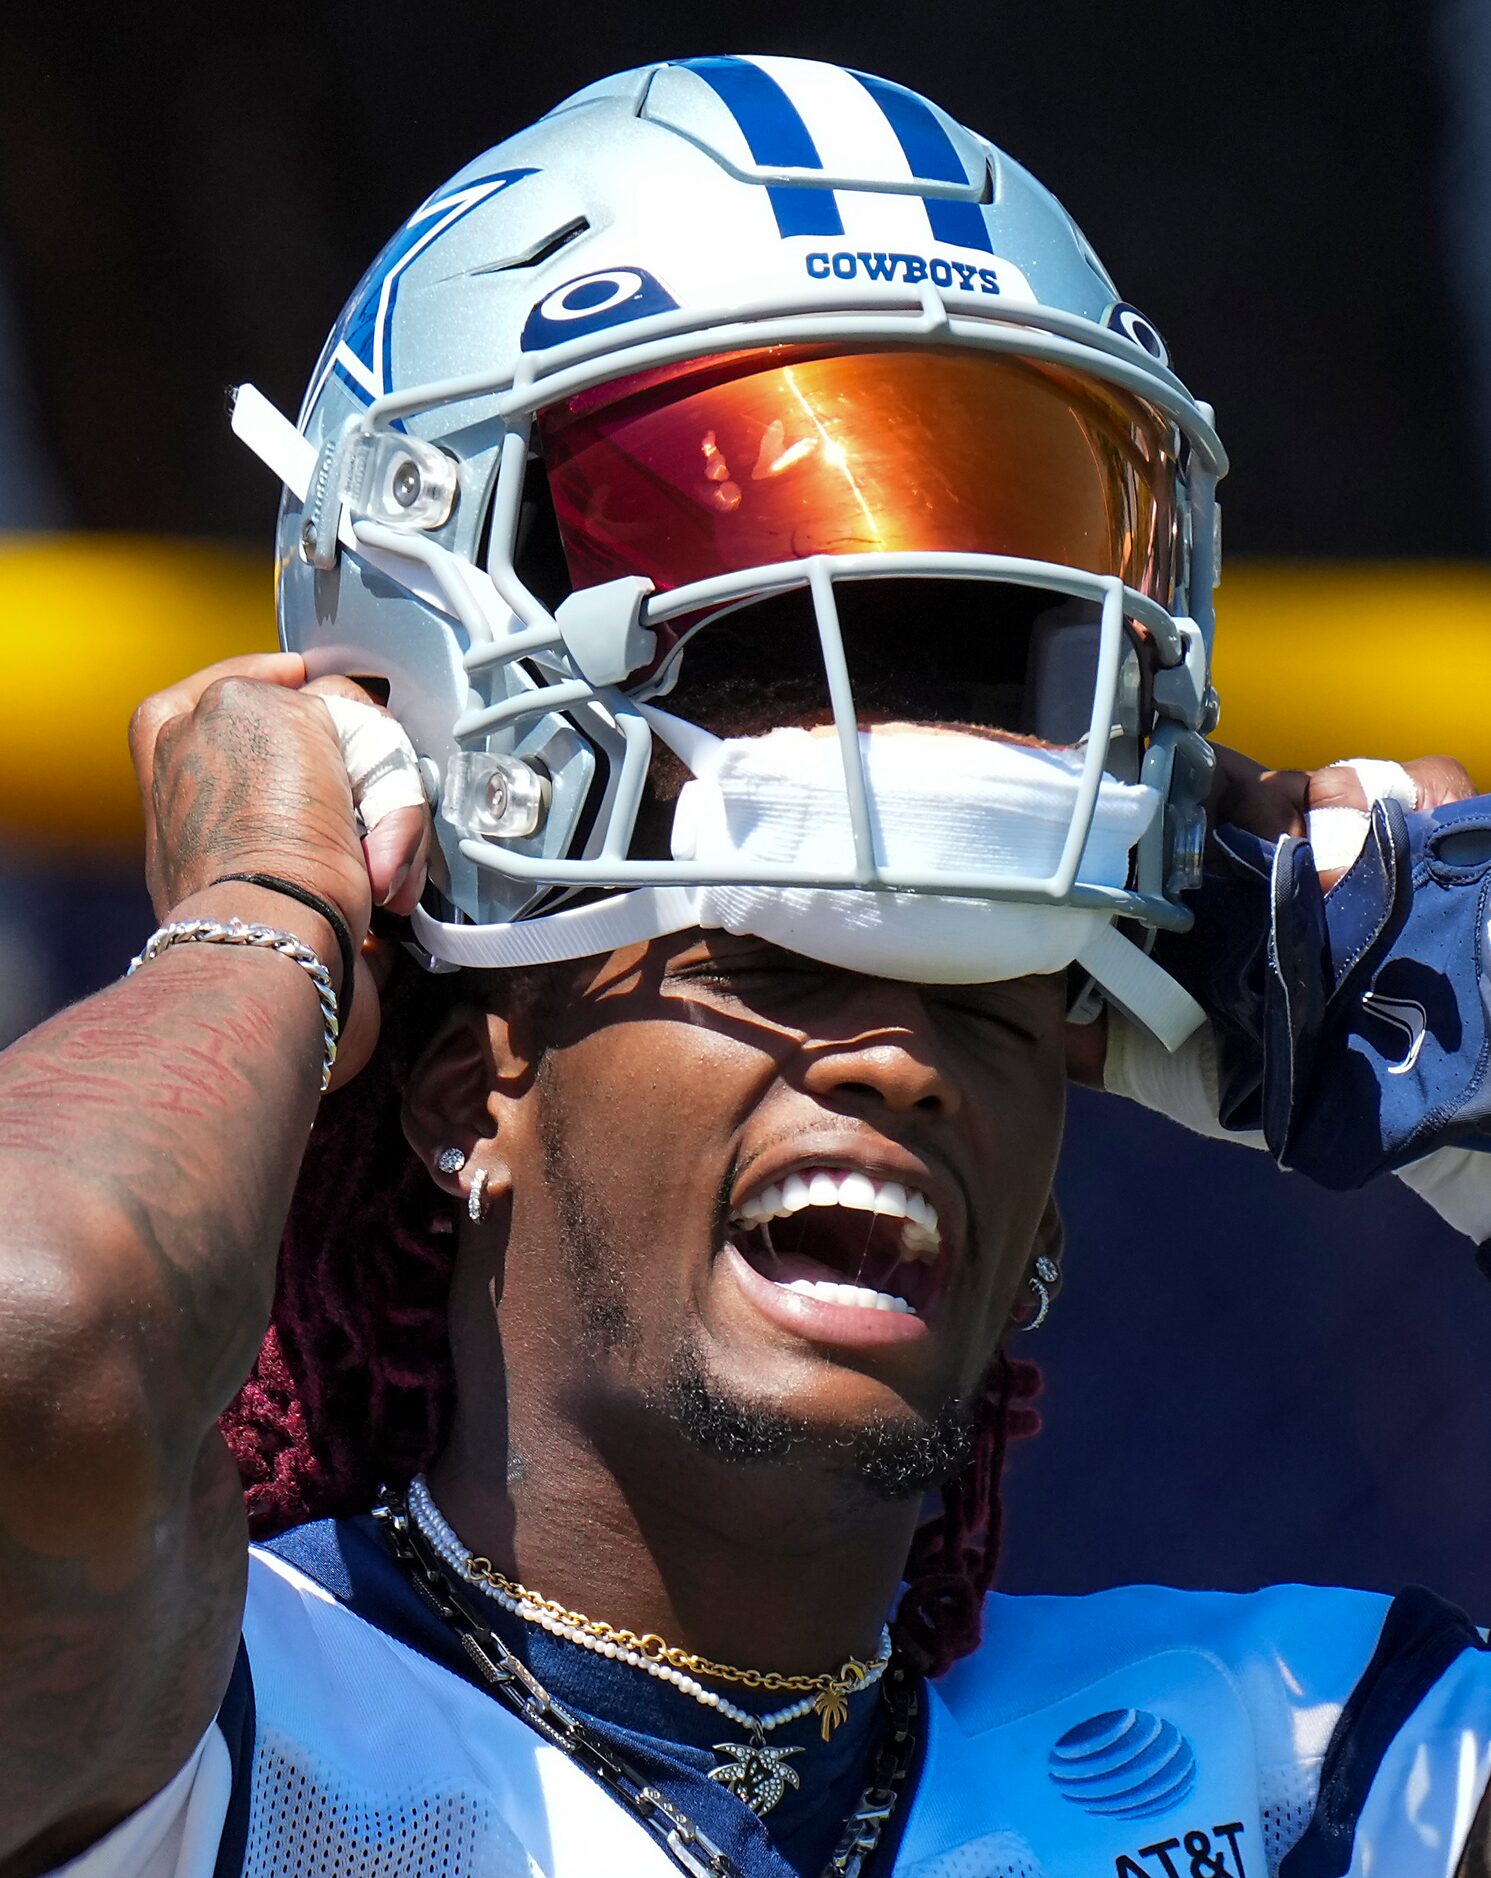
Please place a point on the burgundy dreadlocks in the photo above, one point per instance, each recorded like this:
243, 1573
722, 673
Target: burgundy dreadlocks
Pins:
354, 1383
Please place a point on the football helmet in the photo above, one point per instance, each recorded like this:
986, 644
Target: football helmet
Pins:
742, 329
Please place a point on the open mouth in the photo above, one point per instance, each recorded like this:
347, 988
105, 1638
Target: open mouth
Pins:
842, 1237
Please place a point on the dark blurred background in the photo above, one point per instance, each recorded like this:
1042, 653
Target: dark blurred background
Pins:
186, 203
1247, 1380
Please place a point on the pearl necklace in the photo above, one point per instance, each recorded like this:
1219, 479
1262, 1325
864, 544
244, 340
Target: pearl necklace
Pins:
827, 1694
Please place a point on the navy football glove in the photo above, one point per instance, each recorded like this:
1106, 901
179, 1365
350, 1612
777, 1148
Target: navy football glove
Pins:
1352, 1026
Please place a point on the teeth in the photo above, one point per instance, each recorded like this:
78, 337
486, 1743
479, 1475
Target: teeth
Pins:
892, 1199
860, 1295
858, 1191
917, 1242
795, 1194
821, 1186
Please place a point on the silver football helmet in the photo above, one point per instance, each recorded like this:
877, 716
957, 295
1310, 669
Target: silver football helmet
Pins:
742, 328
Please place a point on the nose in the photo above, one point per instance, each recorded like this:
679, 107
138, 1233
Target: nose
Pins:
882, 1053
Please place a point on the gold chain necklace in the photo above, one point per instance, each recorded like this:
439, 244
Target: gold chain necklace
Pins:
513, 1684
826, 1694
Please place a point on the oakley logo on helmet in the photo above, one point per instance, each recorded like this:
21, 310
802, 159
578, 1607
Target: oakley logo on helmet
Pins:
592, 303
1129, 321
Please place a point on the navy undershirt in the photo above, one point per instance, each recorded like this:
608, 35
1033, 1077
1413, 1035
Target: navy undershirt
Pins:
660, 1731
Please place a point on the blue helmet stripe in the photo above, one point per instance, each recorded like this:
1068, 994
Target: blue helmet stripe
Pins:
931, 153
777, 138
960, 224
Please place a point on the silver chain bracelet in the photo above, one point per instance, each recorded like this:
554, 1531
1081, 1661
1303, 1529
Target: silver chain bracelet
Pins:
236, 932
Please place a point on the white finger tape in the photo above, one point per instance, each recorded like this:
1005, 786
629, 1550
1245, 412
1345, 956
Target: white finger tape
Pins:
381, 762
1337, 834
1383, 781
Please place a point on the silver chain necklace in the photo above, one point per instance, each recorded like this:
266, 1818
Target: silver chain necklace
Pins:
755, 1772
516, 1687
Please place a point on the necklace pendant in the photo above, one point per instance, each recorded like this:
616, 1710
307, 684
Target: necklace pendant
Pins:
755, 1773
831, 1708
831, 1705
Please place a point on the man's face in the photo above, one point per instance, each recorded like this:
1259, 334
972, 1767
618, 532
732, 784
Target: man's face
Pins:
788, 1208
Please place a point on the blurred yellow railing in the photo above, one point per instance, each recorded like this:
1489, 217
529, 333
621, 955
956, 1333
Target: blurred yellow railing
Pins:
89, 625
1314, 661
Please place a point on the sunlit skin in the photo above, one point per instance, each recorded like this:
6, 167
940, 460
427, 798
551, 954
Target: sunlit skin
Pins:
684, 1075
668, 1079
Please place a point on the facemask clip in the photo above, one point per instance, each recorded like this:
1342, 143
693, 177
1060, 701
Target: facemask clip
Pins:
494, 797
376, 476
1181, 691
603, 630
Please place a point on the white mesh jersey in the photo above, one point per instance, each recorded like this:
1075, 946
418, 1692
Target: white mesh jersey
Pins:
1138, 1733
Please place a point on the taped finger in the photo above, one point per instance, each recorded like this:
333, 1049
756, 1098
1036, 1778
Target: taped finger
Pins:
1337, 832
381, 762
1336, 836
1383, 781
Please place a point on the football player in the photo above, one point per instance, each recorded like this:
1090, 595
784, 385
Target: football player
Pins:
745, 587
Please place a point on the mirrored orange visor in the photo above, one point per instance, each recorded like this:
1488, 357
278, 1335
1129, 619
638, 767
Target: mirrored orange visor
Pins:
757, 457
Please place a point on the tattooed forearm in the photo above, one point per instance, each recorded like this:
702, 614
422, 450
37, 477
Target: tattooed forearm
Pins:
149, 1144
149, 1141
169, 1114
79, 1725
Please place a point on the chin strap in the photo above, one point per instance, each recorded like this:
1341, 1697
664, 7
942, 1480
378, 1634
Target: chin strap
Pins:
576, 932
1139, 987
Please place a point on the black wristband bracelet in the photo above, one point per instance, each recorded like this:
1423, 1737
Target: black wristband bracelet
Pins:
333, 919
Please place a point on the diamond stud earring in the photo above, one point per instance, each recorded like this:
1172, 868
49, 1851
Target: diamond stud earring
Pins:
451, 1161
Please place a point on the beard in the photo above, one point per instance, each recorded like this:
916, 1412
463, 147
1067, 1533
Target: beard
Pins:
893, 1457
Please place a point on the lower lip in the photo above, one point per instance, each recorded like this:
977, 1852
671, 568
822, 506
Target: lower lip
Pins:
846, 1326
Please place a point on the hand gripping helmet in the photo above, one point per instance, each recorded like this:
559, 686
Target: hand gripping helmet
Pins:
747, 332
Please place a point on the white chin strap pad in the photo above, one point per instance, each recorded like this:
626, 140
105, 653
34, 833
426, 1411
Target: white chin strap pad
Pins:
940, 802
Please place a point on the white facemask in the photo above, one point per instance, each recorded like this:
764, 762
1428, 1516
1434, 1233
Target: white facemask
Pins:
939, 800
